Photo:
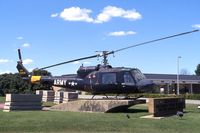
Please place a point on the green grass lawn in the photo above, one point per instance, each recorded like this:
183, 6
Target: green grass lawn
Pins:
55, 121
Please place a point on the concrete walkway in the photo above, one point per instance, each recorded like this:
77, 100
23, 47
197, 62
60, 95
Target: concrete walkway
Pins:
197, 102
1, 105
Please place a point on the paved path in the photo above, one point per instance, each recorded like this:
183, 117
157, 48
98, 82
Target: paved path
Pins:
193, 102
1, 105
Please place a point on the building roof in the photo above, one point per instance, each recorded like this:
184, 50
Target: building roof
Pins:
173, 78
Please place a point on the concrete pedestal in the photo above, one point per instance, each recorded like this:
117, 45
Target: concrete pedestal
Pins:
96, 105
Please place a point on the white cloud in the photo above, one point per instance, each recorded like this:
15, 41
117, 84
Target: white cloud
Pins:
54, 15
76, 14
27, 61
20, 38
76, 62
4, 72
26, 45
4, 61
121, 33
196, 26
112, 11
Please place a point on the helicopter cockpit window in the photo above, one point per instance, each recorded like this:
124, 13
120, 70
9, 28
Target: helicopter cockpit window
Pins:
128, 79
108, 78
137, 74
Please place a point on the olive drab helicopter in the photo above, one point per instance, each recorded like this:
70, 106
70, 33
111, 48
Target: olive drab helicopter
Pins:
100, 79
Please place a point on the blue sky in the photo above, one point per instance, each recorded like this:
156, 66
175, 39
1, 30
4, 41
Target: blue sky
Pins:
52, 31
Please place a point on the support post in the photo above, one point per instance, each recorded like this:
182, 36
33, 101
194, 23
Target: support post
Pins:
191, 88
178, 92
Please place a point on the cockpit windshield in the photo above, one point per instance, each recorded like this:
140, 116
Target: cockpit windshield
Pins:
137, 74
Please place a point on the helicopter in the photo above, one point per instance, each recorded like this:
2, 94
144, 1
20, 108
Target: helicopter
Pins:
99, 79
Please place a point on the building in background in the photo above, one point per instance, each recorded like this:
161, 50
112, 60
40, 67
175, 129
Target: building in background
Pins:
167, 83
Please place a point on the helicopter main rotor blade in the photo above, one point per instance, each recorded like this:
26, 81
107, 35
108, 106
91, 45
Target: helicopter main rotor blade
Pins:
156, 40
112, 52
62, 63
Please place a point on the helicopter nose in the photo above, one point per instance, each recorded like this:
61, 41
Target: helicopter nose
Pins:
146, 85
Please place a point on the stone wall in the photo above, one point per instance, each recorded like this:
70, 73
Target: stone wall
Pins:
165, 106
58, 97
48, 96
70, 96
22, 102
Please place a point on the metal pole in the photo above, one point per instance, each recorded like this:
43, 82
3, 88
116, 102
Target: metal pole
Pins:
178, 91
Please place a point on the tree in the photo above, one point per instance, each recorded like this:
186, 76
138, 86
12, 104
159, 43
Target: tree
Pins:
40, 72
13, 83
197, 71
184, 72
